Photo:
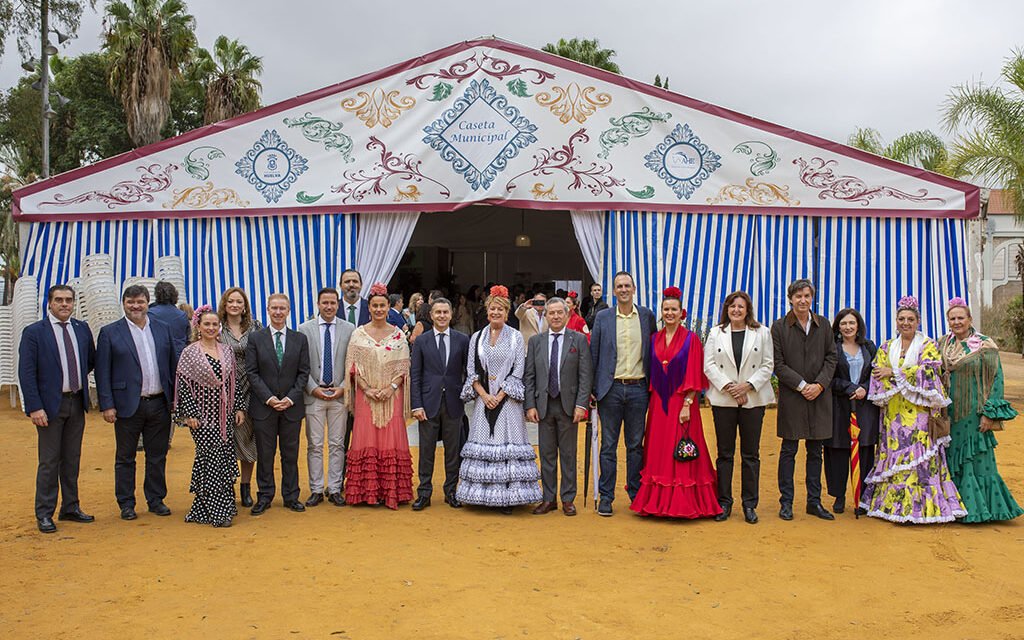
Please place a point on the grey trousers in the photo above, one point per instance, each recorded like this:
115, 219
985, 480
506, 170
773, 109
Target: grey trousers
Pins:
557, 436
60, 453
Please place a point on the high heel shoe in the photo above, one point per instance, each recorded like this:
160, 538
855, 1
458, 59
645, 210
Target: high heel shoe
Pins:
244, 496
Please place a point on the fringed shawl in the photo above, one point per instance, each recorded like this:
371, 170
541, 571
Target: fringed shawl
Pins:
977, 359
378, 363
196, 374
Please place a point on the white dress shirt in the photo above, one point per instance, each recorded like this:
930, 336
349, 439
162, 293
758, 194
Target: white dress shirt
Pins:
145, 346
58, 333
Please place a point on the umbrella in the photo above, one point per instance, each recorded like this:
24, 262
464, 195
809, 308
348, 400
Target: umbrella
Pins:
855, 460
586, 455
593, 455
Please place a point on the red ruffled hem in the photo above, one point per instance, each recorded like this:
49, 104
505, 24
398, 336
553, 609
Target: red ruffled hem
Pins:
677, 500
375, 477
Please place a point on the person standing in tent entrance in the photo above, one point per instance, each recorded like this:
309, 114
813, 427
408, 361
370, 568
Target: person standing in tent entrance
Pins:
849, 392
620, 347
910, 481
576, 321
353, 307
531, 317
805, 359
593, 304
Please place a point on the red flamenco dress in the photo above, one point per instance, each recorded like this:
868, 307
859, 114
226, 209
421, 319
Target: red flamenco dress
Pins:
668, 487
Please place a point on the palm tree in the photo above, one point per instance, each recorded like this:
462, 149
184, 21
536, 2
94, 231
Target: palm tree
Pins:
920, 148
993, 147
149, 43
585, 51
230, 77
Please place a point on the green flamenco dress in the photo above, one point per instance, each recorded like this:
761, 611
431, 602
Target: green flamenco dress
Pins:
975, 383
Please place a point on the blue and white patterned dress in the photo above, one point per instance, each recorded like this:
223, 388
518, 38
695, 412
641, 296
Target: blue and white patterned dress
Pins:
499, 465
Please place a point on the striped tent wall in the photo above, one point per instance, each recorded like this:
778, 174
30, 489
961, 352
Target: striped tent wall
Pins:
869, 263
295, 255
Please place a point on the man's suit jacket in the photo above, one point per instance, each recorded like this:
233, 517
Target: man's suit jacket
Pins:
364, 312
604, 350
530, 324
40, 369
429, 376
339, 348
118, 369
267, 379
574, 373
178, 322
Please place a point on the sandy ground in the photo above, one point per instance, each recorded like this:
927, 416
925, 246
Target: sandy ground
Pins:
362, 572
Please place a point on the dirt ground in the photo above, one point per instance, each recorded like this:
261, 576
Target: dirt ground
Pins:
355, 573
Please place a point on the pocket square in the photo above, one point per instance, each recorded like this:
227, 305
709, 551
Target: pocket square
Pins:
572, 349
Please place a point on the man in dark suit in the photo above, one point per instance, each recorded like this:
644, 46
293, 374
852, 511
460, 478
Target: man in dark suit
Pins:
593, 304
277, 363
557, 380
166, 311
135, 367
56, 355
620, 345
353, 307
438, 373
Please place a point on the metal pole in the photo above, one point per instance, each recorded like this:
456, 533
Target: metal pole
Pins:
44, 81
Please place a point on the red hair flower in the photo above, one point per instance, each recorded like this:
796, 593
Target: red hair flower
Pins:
499, 291
573, 295
672, 292
378, 289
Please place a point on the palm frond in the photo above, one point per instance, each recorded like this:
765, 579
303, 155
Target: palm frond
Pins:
866, 139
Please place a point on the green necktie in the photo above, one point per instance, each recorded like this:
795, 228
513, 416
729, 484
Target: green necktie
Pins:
278, 347
352, 314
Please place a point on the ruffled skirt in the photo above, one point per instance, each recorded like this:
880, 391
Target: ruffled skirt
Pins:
378, 462
499, 469
972, 463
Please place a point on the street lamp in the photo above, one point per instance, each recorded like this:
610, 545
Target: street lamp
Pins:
46, 50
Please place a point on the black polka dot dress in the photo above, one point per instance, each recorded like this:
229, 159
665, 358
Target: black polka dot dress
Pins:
215, 467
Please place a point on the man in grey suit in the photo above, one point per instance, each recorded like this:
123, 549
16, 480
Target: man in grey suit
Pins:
277, 363
328, 336
557, 379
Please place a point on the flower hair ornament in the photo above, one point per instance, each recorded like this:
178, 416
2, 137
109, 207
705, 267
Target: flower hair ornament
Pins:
499, 291
675, 293
908, 303
378, 289
956, 302
573, 295
198, 313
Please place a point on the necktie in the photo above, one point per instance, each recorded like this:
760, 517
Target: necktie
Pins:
442, 349
553, 367
352, 313
278, 347
328, 368
72, 363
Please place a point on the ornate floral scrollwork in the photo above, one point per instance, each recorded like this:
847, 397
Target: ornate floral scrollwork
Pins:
594, 176
154, 179
378, 106
304, 198
573, 102
760, 163
631, 125
391, 165
317, 129
644, 194
203, 197
411, 193
197, 164
540, 193
762, 194
818, 174
495, 67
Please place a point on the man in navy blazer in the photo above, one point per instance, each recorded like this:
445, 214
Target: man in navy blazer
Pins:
166, 311
135, 367
437, 374
353, 307
56, 355
620, 347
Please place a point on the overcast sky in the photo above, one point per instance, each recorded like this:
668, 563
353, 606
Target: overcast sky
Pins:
820, 67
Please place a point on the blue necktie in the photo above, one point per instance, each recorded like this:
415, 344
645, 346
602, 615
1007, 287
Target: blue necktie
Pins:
328, 368
553, 367
443, 350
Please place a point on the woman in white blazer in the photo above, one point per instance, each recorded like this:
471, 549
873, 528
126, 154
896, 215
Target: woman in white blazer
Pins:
738, 362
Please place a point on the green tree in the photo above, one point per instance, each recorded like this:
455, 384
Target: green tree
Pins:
20, 19
149, 43
10, 257
585, 51
230, 77
658, 82
920, 148
990, 124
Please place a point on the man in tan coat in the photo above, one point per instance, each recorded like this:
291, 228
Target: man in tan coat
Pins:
531, 317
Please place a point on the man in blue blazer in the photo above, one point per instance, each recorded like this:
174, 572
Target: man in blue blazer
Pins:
56, 355
620, 347
353, 307
166, 311
438, 372
135, 366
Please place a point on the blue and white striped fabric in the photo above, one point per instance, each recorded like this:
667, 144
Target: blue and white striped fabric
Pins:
295, 255
870, 263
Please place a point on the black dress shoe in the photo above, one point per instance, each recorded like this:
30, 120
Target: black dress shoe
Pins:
315, 499
839, 506
46, 525
159, 509
820, 512
860, 511
222, 524
506, 510
786, 512
244, 495
452, 501
336, 499
76, 516
604, 508
726, 512
260, 507
295, 505
750, 515
128, 513
421, 503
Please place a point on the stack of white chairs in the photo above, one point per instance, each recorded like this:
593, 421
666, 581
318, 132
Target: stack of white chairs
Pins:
25, 310
76, 284
8, 373
169, 269
149, 283
101, 302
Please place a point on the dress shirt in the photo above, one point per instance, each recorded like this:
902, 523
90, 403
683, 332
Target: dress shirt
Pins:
354, 306
284, 337
629, 363
447, 343
145, 346
58, 333
561, 345
807, 330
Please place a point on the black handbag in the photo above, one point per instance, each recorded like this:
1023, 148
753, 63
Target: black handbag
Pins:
686, 448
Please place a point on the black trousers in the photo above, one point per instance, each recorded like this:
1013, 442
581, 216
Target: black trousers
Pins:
271, 433
152, 420
450, 430
787, 464
60, 454
729, 420
837, 468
